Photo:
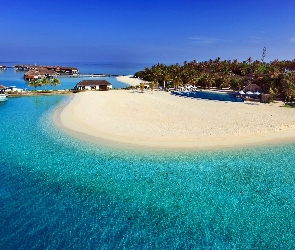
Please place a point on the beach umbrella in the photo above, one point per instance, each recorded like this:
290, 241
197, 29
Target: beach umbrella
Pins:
241, 92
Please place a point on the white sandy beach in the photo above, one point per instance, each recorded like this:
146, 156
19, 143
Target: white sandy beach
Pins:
129, 80
163, 120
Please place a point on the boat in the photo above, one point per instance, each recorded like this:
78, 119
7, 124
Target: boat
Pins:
3, 97
2, 93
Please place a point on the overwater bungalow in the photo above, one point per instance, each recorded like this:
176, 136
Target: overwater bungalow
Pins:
67, 70
93, 85
22, 67
2, 87
56, 69
38, 73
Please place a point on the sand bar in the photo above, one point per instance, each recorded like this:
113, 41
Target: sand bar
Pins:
130, 80
162, 120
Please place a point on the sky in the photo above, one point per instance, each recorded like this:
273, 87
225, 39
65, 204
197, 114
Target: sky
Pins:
150, 31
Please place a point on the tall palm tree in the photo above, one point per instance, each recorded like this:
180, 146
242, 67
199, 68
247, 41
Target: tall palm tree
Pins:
236, 83
55, 82
155, 72
166, 75
271, 77
288, 84
210, 81
45, 81
177, 82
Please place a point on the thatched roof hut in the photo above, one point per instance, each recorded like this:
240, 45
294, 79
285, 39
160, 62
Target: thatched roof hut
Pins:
253, 88
39, 72
2, 87
93, 84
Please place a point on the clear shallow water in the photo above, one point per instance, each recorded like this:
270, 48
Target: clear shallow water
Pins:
57, 192
209, 95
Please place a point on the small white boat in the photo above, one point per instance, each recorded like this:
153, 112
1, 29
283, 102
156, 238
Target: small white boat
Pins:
3, 97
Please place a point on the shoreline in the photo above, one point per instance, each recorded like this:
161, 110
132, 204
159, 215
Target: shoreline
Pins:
160, 121
130, 80
39, 92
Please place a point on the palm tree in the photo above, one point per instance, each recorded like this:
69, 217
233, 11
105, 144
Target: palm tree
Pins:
55, 82
272, 77
141, 86
157, 85
249, 60
45, 82
166, 76
210, 81
177, 82
236, 83
226, 81
151, 84
155, 72
35, 83
288, 84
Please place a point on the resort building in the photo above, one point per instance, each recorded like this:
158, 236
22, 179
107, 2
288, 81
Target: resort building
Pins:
57, 69
38, 73
2, 88
93, 85
66, 70
2, 67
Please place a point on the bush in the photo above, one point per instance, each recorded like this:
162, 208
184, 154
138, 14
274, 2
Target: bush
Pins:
266, 98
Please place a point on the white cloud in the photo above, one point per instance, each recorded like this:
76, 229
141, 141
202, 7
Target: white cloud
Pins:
292, 39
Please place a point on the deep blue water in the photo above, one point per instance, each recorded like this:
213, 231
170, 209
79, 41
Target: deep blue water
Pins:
57, 192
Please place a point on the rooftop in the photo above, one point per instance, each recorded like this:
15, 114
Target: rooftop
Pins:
92, 83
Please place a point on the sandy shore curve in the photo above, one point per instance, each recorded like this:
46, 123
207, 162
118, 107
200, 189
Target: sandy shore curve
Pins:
130, 80
162, 120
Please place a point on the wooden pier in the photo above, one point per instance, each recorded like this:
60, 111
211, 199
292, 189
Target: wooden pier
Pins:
86, 75
57, 69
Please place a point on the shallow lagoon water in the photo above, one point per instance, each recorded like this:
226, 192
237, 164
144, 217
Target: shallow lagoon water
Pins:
57, 192
12, 77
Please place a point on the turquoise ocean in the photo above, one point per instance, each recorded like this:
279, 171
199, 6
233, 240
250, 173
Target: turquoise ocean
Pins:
57, 192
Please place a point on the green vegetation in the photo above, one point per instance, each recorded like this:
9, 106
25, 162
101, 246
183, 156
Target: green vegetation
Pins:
43, 82
151, 85
55, 82
35, 83
141, 86
276, 78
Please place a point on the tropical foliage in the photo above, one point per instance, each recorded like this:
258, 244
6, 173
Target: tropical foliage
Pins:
151, 85
276, 78
43, 82
35, 83
141, 86
55, 82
